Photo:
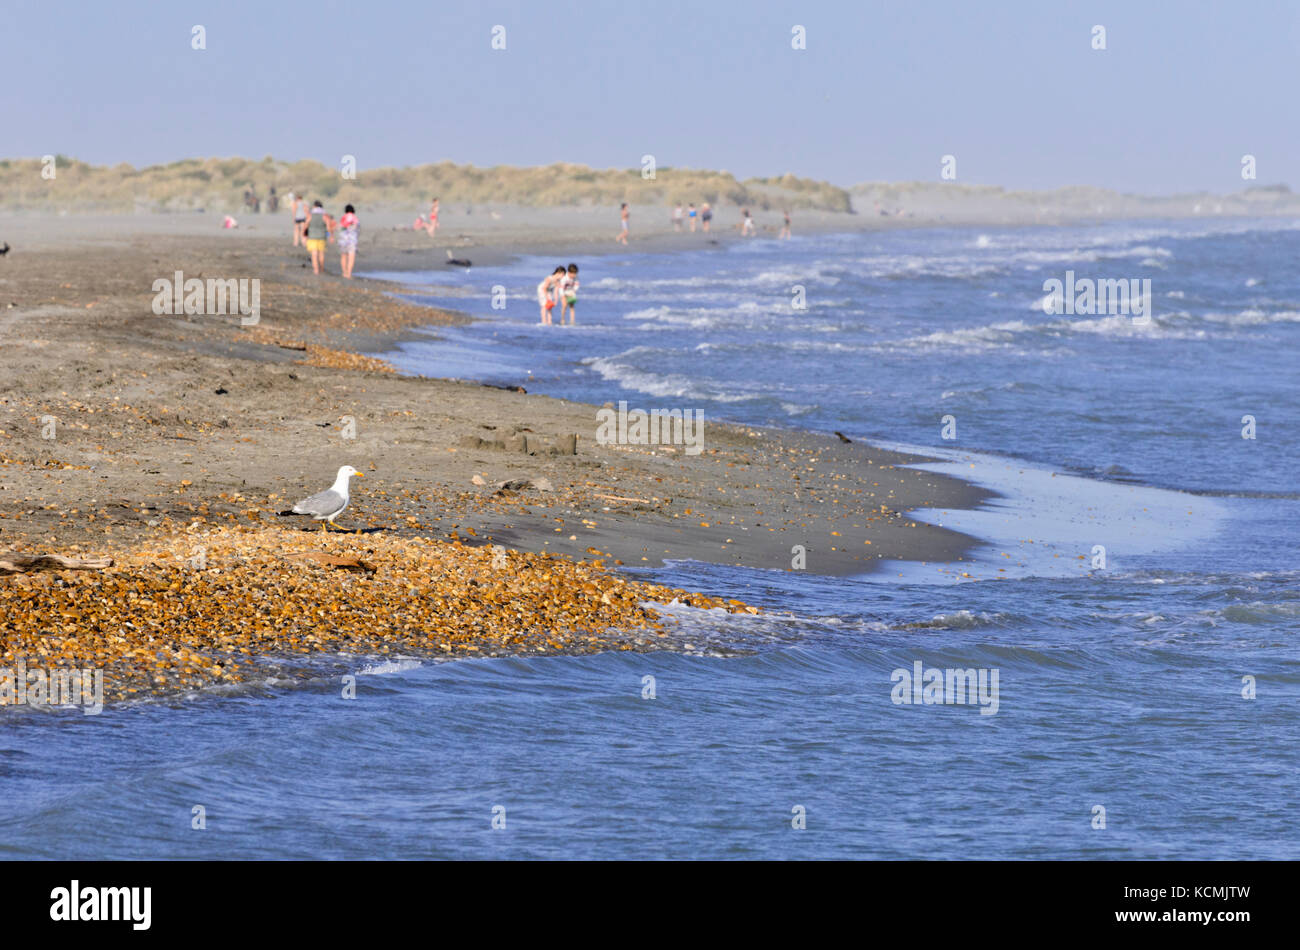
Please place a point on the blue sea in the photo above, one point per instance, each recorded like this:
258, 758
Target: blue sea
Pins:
1135, 593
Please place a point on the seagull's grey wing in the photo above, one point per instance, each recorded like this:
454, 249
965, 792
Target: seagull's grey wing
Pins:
321, 505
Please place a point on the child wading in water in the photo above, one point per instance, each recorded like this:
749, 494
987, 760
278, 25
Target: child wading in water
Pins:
546, 292
623, 216
569, 287
348, 232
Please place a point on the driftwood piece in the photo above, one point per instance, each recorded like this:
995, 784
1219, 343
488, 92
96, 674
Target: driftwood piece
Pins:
637, 501
22, 563
329, 560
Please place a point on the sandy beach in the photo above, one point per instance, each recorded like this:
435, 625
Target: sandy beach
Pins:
143, 437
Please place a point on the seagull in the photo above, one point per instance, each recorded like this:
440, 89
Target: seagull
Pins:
4, 250
327, 505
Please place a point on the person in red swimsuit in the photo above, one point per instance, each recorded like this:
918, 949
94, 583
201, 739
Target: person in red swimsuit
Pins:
433, 218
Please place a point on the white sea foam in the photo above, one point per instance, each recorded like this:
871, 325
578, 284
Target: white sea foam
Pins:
980, 337
385, 667
614, 369
1252, 317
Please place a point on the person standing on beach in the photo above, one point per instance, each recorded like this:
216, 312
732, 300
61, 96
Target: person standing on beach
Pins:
569, 287
706, 215
785, 228
690, 213
677, 217
546, 293
746, 223
433, 218
623, 216
320, 227
298, 208
349, 231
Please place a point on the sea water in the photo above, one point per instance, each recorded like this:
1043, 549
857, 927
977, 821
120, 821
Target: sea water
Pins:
1135, 595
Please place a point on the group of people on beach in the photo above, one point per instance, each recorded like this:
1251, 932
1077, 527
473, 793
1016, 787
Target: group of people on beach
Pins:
746, 223
559, 287
704, 215
314, 228
687, 217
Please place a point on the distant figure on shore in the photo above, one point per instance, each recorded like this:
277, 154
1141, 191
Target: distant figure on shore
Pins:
419, 224
349, 231
706, 215
623, 216
569, 287
320, 228
229, 222
546, 293
677, 217
272, 202
251, 201
746, 223
691, 213
433, 219
298, 208
785, 228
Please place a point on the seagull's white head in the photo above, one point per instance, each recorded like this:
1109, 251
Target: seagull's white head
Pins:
346, 472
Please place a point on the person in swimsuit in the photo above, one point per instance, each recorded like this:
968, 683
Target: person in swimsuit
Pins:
746, 223
705, 217
690, 213
622, 234
677, 217
349, 231
785, 228
320, 227
546, 294
298, 208
433, 218
569, 287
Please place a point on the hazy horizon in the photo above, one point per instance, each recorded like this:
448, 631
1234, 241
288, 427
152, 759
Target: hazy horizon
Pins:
1017, 94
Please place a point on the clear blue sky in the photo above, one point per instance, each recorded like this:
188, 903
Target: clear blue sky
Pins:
1012, 88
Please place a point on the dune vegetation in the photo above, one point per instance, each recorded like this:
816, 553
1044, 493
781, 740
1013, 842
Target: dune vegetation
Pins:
220, 184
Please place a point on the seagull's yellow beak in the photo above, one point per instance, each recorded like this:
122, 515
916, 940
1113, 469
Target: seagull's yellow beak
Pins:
361, 474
